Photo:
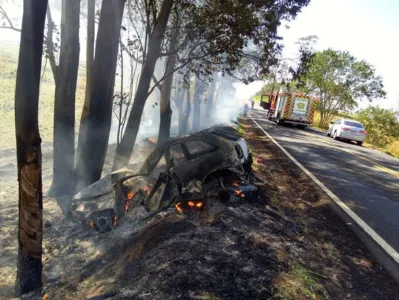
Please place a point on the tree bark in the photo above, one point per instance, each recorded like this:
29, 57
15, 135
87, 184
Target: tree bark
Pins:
64, 105
187, 111
50, 45
28, 141
125, 148
209, 103
94, 146
197, 105
165, 110
91, 5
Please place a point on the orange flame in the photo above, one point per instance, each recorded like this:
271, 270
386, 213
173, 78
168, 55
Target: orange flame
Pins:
238, 192
91, 224
199, 204
128, 198
115, 221
235, 184
178, 207
191, 203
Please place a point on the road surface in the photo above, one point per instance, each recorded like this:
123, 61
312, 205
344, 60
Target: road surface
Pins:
365, 179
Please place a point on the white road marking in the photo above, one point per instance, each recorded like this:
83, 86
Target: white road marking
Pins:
374, 235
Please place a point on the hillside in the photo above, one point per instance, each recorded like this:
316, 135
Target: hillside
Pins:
8, 71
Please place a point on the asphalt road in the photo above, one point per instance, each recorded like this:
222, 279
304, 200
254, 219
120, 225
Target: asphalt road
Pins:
365, 179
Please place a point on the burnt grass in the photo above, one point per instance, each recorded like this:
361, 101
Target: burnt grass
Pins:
292, 248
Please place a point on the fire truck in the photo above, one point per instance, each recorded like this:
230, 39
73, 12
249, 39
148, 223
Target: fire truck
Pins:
291, 108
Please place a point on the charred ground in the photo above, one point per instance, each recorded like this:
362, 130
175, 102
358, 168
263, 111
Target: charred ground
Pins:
293, 248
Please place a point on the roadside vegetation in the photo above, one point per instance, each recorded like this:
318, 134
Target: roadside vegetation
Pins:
339, 81
381, 124
331, 262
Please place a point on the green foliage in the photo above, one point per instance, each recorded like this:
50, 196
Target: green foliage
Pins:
221, 35
339, 80
381, 125
299, 283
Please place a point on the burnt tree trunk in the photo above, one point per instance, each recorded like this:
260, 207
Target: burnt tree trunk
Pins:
94, 147
165, 110
64, 105
187, 110
125, 147
29, 154
209, 102
197, 105
91, 5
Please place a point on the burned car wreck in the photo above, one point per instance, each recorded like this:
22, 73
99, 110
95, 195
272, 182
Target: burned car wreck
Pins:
185, 172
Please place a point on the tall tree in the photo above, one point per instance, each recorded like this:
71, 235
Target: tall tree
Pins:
339, 80
29, 155
91, 6
64, 105
198, 90
210, 98
183, 102
124, 149
95, 143
165, 109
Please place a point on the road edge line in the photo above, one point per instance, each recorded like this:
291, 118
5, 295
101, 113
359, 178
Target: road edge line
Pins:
380, 249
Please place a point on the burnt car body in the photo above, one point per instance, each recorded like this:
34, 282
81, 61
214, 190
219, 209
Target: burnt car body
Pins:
182, 170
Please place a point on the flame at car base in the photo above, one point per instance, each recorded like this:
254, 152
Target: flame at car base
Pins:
189, 206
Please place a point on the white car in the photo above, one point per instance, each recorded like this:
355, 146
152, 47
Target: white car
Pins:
347, 129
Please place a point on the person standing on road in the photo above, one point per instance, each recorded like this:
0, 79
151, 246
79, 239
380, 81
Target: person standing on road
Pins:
245, 110
252, 103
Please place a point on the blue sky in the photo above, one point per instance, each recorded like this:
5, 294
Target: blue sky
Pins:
367, 28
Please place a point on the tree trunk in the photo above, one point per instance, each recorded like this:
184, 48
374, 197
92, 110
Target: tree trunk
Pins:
29, 155
197, 105
95, 143
187, 111
91, 6
50, 45
64, 105
209, 103
165, 110
125, 148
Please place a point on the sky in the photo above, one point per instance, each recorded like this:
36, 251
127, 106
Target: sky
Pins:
366, 28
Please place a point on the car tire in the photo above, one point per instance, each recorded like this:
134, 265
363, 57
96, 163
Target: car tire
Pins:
359, 143
328, 133
335, 137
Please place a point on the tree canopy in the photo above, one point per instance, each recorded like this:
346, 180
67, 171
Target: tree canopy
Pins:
339, 80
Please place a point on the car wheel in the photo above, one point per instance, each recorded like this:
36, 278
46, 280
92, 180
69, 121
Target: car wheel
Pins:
359, 143
328, 133
335, 137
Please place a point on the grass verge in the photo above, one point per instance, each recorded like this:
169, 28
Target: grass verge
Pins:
331, 262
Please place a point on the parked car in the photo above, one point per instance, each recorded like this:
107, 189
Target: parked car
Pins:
183, 171
347, 129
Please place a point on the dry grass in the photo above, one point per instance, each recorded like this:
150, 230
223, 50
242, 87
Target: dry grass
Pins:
299, 283
393, 148
8, 71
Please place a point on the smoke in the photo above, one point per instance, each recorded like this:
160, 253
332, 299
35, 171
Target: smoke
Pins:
228, 100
